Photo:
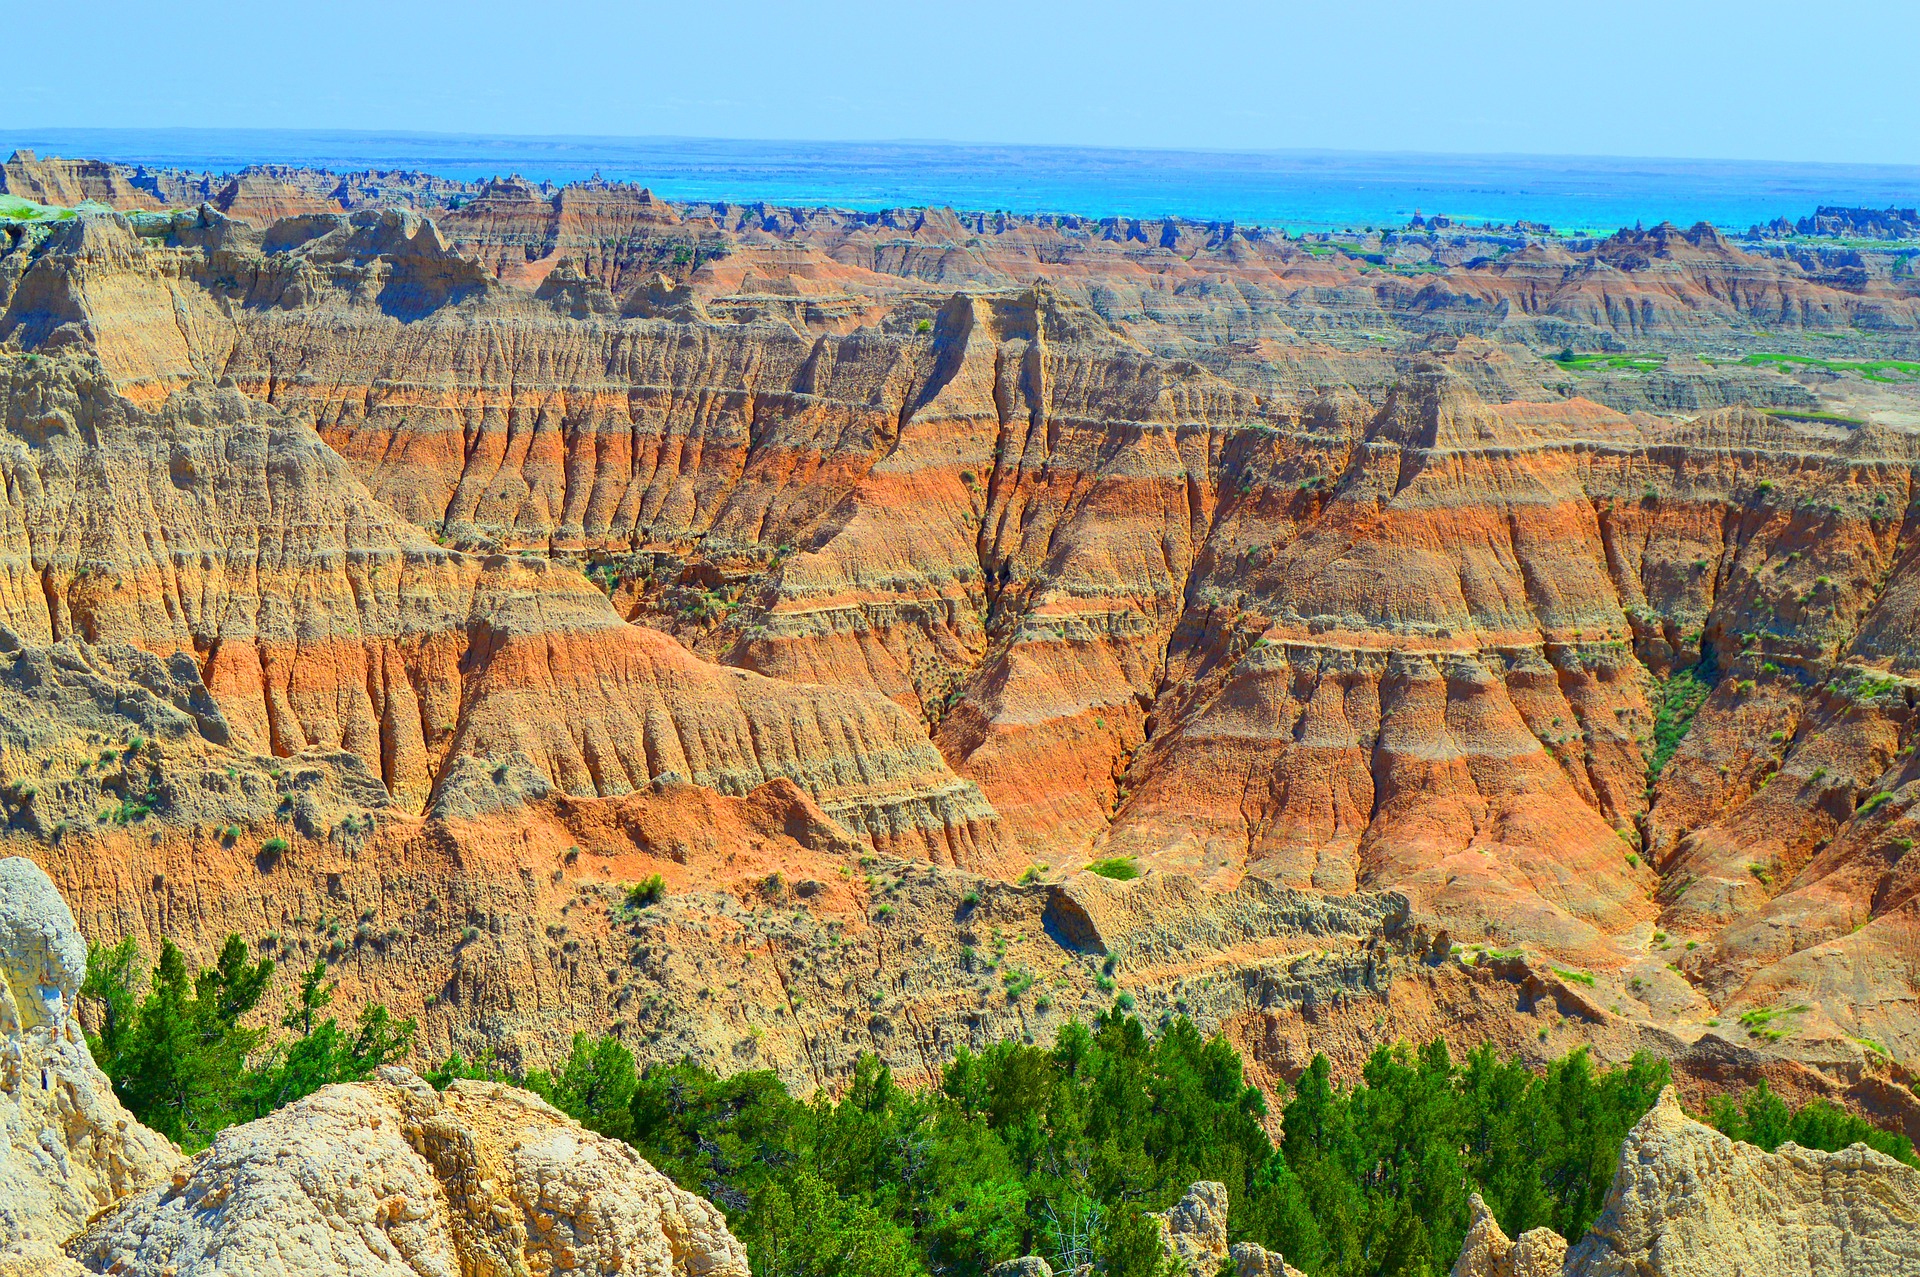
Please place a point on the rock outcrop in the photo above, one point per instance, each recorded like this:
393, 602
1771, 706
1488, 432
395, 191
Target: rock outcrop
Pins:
390, 1177
1689, 1202
1194, 1229
67, 1147
1489, 1252
1194, 1233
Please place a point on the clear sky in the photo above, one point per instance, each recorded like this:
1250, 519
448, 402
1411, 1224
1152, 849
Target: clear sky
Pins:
1756, 79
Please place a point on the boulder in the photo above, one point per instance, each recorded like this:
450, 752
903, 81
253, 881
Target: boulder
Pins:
67, 1147
390, 1178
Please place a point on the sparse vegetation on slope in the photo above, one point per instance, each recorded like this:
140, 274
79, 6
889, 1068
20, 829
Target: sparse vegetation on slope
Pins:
1680, 699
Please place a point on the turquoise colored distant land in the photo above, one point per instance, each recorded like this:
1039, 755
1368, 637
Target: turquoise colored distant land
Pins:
1299, 190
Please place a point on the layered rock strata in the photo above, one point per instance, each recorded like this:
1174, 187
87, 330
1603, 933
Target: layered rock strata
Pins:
1009, 544
318, 620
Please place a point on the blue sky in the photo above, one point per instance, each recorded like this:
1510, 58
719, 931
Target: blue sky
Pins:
1761, 79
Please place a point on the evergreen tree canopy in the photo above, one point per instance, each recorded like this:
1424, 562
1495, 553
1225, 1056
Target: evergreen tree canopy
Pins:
183, 1062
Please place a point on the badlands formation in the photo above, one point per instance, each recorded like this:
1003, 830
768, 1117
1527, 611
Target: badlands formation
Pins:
398, 571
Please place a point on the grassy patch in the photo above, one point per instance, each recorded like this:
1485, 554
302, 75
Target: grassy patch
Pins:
1680, 699
1816, 418
1578, 977
1759, 1024
15, 209
1118, 868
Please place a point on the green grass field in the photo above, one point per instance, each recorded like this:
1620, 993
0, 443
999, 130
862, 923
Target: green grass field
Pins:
1891, 371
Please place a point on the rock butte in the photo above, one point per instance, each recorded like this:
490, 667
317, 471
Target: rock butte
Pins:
461, 554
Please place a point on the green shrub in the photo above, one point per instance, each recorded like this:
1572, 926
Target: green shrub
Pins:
1680, 699
1118, 868
183, 1060
649, 891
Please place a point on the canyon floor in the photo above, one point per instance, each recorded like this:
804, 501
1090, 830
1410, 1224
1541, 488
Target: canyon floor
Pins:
1464, 632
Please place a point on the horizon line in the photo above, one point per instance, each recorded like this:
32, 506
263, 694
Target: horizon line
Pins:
946, 143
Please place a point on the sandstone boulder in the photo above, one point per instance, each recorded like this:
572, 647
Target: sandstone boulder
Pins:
67, 1147
1689, 1202
393, 1178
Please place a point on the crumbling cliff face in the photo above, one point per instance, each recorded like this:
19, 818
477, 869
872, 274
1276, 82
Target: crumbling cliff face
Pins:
542, 525
67, 1147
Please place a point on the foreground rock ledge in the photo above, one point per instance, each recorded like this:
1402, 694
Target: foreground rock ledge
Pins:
1687, 1201
392, 1177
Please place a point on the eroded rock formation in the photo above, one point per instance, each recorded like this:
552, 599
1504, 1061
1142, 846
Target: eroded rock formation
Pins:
1194, 1232
1686, 1201
1489, 1252
1689, 1202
